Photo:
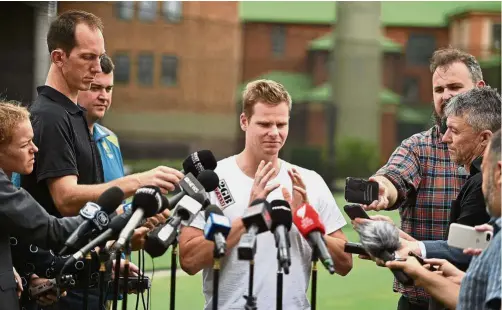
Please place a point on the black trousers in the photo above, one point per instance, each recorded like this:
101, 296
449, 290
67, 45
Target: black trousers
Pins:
405, 304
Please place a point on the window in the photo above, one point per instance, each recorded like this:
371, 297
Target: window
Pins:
147, 10
278, 36
496, 34
169, 72
124, 9
419, 48
172, 10
145, 69
411, 90
122, 67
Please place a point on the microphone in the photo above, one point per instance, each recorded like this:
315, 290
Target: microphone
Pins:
381, 240
147, 201
191, 186
256, 219
95, 215
282, 219
308, 223
217, 229
198, 162
161, 237
116, 224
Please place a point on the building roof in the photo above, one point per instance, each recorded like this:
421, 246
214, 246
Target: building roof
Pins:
393, 13
297, 84
322, 93
481, 7
325, 43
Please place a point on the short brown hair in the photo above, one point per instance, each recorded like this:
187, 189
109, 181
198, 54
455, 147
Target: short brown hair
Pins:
107, 65
266, 91
62, 30
446, 56
11, 115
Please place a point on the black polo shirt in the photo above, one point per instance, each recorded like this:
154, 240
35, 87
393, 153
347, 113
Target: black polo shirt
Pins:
65, 146
469, 208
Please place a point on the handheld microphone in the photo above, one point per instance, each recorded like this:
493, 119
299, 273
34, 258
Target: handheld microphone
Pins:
381, 240
198, 162
116, 224
308, 223
256, 219
208, 180
161, 237
147, 201
217, 229
96, 215
282, 219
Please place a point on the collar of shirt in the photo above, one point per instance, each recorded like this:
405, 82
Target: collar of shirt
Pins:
61, 99
99, 133
496, 222
476, 166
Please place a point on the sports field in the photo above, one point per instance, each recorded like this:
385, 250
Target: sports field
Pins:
367, 286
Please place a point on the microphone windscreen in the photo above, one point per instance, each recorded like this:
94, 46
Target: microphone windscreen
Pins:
209, 179
110, 199
199, 161
213, 209
281, 214
378, 237
149, 199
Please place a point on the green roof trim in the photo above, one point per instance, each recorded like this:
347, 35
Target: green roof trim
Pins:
490, 62
481, 7
325, 43
323, 94
297, 84
393, 13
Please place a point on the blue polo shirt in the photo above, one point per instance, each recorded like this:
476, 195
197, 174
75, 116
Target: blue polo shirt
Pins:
109, 149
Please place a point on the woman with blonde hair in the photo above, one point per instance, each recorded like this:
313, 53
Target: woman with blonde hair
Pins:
20, 214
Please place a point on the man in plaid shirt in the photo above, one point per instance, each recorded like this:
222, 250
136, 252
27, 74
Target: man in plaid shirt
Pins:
420, 179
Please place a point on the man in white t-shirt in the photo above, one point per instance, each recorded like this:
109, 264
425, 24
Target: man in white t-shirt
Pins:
257, 172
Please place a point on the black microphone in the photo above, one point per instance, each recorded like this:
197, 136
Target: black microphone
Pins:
282, 219
198, 162
106, 204
115, 226
381, 240
161, 237
256, 219
206, 182
217, 229
147, 202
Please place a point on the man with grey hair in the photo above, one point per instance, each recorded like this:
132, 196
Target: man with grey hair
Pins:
480, 286
472, 118
419, 178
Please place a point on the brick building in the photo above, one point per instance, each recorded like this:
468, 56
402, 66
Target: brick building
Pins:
177, 68
293, 40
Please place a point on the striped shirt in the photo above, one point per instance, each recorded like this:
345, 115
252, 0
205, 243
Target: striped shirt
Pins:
480, 288
427, 182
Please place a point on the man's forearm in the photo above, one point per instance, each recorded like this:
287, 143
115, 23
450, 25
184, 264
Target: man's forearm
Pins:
199, 253
77, 196
392, 194
342, 260
441, 288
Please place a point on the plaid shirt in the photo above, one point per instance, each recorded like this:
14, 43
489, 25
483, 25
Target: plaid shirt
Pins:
427, 182
480, 288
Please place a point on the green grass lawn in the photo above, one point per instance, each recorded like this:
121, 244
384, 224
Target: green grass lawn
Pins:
365, 287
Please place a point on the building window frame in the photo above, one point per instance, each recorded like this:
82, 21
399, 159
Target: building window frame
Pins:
124, 10
173, 13
419, 48
147, 11
145, 68
169, 70
122, 71
278, 40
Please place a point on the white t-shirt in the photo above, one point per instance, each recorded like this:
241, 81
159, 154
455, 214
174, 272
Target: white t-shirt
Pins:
232, 195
